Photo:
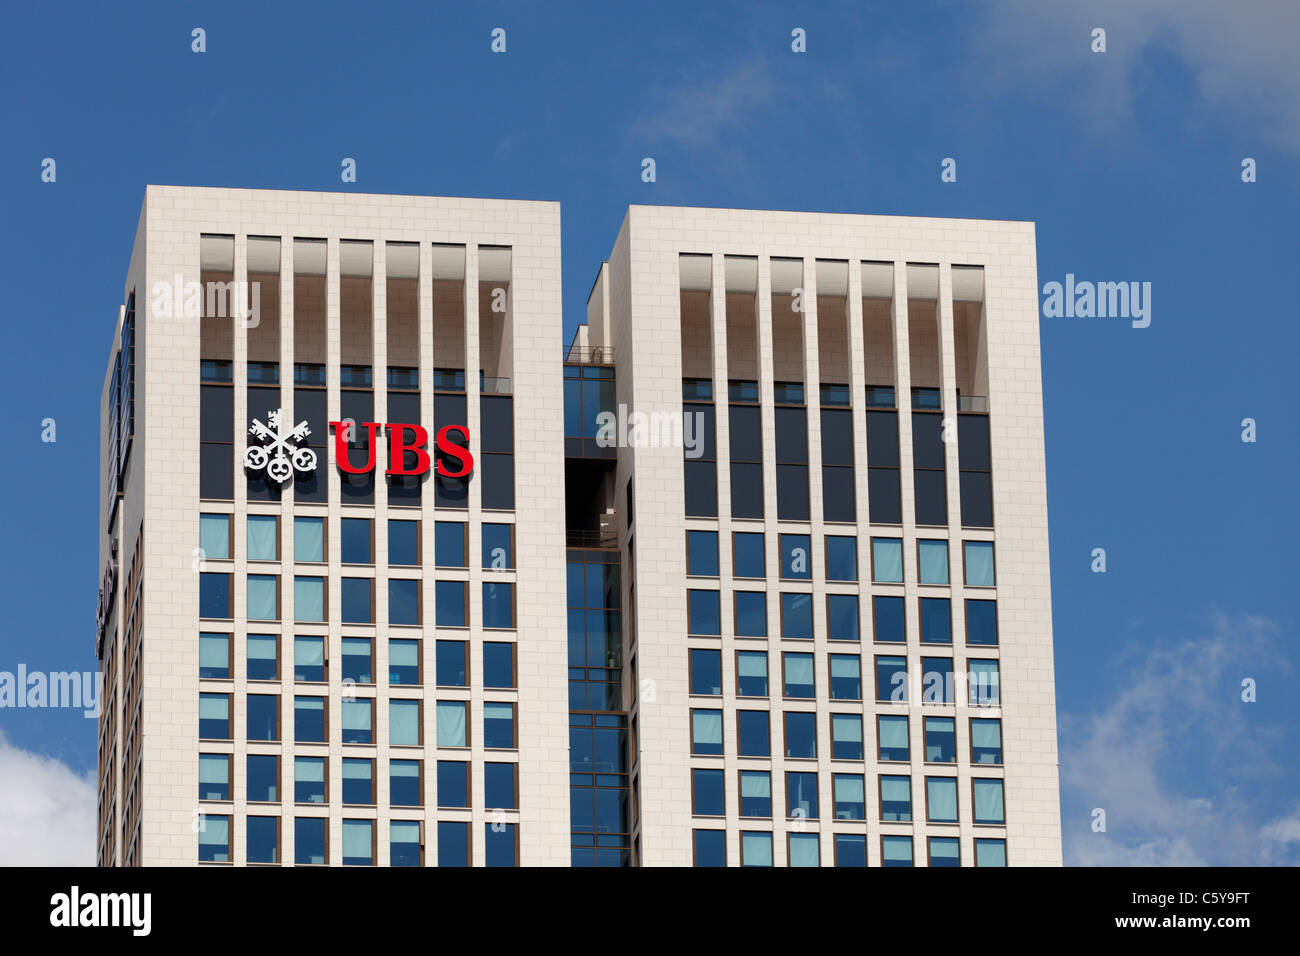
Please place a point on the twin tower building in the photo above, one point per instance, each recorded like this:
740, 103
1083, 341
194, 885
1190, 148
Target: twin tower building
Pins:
753, 572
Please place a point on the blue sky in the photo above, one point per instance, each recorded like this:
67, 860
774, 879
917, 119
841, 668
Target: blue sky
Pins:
1129, 161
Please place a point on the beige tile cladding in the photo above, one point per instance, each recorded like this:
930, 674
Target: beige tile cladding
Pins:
644, 322
162, 491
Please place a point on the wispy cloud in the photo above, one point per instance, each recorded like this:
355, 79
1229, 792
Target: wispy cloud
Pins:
1237, 61
47, 811
1186, 774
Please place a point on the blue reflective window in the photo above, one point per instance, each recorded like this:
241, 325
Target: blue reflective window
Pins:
796, 616
263, 717
800, 734
850, 849
498, 605
841, 558
263, 837
710, 847
449, 603
936, 680
891, 678
356, 660
849, 793
754, 733
708, 798
796, 557
936, 621
214, 776
798, 674
357, 600
451, 664
751, 673
755, 793
262, 662
453, 783
403, 601
500, 845
498, 664
846, 677
703, 612
846, 736
309, 659
404, 783
842, 617
990, 852
889, 619
309, 840
358, 780
403, 543
214, 716
354, 537
896, 851
214, 595
986, 741
982, 622
498, 546
263, 778
702, 553
801, 796
498, 725
309, 719
214, 656
309, 779
896, 798
887, 560
891, 735
749, 554
453, 843
449, 544
499, 786
945, 851
403, 661
706, 671
751, 614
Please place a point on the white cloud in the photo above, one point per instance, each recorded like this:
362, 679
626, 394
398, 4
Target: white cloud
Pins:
1236, 59
1177, 761
47, 811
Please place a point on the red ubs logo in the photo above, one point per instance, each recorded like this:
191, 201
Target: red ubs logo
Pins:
398, 446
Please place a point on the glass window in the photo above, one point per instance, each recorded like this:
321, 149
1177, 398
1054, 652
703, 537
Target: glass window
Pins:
358, 600
707, 796
214, 537
498, 546
932, 560
453, 843
214, 716
358, 781
498, 604
309, 840
755, 848
990, 852
751, 673
263, 538
896, 851
841, 558
500, 845
801, 795
754, 733
703, 613
749, 554
979, 564
982, 622
262, 663
498, 725
842, 617
798, 674
846, 736
453, 783
891, 678
710, 847
309, 659
452, 664
214, 776
214, 838
309, 540
403, 662
214, 595
358, 842
851, 849
945, 851
263, 717
804, 849
850, 796
706, 671
936, 621
891, 732
800, 734
796, 557
355, 541
986, 741
404, 785
404, 723
404, 843
449, 544
846, 677
796, 616
309, 719
988, 801
751, 614
309, 779
451, 723
357, 660
404, 601
702, 553
936, 680
755, 793
498, 664
889, 619
887, 560
214, 656
706, 732
308, 599
896, 798
941, 799
263, 597
358, 725
983, 677
403, 543
449, 598
940, 740
499, 786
